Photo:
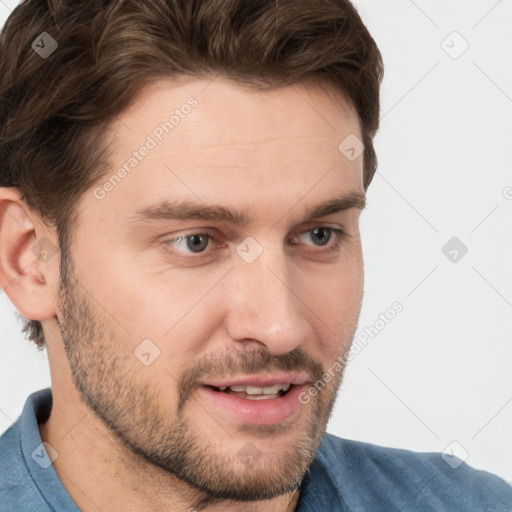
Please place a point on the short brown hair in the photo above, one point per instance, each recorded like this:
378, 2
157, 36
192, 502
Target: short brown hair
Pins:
55, 111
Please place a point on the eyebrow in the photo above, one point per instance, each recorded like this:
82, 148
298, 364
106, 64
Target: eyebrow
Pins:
192, 210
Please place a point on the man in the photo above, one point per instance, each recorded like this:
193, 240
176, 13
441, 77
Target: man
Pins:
179, 225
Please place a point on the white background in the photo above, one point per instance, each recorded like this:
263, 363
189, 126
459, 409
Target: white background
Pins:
441, 370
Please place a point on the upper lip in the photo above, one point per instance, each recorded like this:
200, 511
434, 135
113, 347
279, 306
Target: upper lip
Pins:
263, 380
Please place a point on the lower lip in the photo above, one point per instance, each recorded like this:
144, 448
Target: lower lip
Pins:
256, 412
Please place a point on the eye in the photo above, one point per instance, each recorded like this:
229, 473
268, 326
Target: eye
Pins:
322, 235
194, 243
198, 243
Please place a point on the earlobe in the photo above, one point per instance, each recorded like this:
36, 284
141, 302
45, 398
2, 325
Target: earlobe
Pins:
28, 258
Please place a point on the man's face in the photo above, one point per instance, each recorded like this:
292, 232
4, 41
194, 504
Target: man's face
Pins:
159, 314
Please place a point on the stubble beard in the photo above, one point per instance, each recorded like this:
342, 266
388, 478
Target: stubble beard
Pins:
105, 374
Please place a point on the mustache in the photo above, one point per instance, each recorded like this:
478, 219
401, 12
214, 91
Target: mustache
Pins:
235, 362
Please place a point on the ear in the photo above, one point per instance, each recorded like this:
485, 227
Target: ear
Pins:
29, 258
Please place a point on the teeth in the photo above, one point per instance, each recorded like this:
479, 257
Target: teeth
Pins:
237, 388
253, 390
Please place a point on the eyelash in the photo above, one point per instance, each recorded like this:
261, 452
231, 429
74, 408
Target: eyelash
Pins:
339, 235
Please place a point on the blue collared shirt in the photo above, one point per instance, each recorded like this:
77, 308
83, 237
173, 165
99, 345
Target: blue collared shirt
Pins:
346, 476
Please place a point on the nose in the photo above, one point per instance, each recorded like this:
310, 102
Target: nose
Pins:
265, 306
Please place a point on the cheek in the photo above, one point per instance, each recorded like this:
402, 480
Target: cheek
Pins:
336, 300
141, 297
338, 306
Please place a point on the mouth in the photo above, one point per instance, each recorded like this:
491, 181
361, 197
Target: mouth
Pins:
257, 400
255, 392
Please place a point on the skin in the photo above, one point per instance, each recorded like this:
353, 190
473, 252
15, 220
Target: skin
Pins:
133, 437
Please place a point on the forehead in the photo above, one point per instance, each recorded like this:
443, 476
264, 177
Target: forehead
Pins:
219, 94
227, 113
216, 140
